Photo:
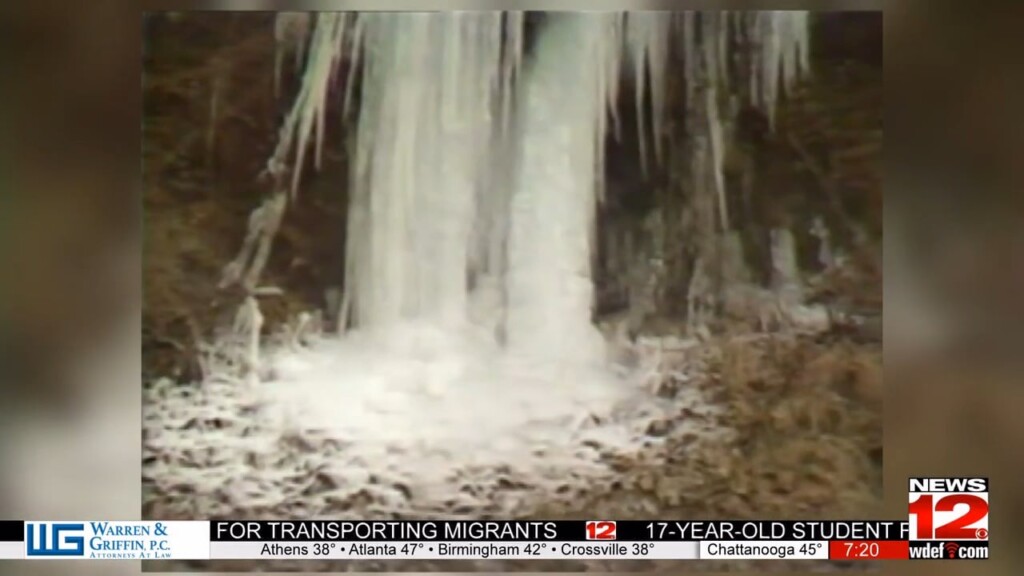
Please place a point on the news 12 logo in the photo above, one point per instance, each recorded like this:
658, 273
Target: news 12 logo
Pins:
948, 509
601, 530
52, 539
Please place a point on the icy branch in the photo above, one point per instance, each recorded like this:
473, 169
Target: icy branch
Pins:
264, 221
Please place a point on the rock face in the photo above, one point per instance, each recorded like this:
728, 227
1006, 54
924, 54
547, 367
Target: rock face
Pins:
633, 269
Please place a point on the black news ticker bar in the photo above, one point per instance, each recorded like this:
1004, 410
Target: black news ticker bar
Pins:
559, 530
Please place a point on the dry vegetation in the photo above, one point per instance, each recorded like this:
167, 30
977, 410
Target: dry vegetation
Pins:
808, 422
806, 416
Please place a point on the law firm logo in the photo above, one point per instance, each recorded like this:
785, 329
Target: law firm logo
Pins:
61, 539
948, 509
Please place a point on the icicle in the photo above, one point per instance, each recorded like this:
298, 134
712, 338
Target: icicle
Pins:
752, 36
336, 39
512, 59
722, 47
826, 258
772, 62
658, 29
691, 54
357, 37
323, 52
783, 39
602, 128
717, 153
608, 72
646, 40
340, 33
658, 59
803, 30
797, 46
637, 49
612, 71
291, 29
789, 51
778, 43
713, 116
709, 44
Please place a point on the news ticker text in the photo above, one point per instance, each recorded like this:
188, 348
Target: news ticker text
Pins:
481, 540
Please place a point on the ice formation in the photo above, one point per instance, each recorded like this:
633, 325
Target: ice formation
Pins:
454, 159
562, 103
471, 163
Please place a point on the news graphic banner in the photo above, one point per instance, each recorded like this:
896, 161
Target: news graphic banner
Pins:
457, 540
454, 540
947, 519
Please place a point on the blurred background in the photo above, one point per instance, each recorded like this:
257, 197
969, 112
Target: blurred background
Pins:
70, 209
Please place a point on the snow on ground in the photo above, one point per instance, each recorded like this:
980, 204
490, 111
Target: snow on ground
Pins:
419, 419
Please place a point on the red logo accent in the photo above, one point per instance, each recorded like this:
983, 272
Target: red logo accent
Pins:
975, 509
600, 530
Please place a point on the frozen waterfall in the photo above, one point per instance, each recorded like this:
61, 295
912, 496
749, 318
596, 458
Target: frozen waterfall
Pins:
471, 208
465, 166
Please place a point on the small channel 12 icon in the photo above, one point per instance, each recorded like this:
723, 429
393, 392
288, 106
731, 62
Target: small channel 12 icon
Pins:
948, 509
601, 530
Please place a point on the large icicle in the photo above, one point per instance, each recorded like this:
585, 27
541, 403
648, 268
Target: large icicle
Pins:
550, 290
430, 97
425, 130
